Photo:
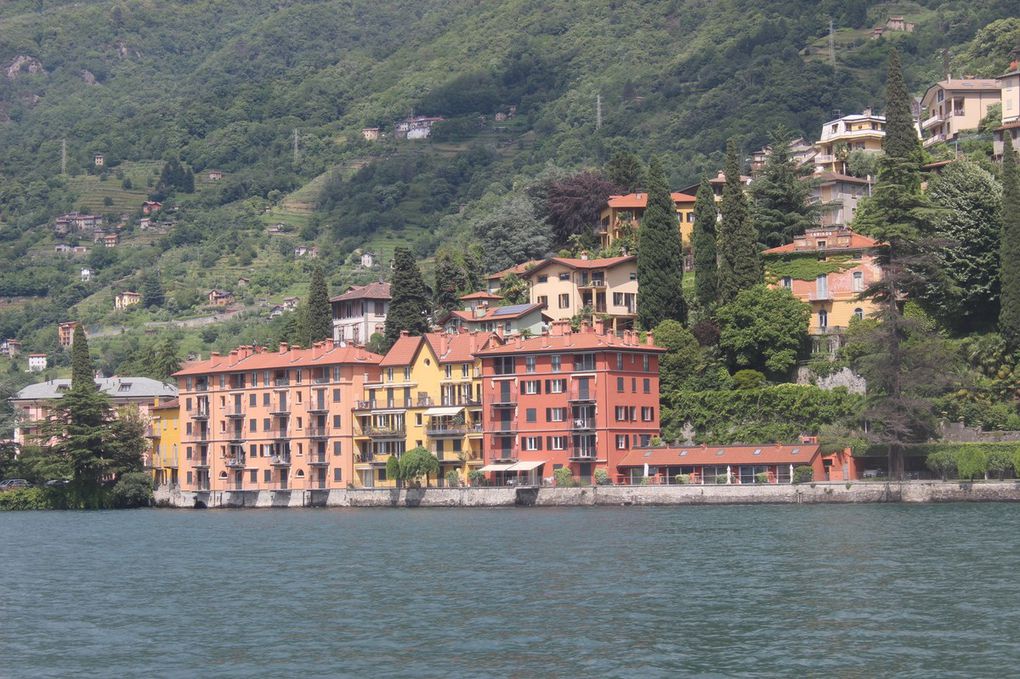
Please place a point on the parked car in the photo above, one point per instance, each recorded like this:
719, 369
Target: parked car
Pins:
13, 484
57, 482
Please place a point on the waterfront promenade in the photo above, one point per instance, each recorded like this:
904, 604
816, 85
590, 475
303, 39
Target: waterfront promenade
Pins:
806, 493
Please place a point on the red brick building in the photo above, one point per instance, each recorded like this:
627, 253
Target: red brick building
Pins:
579, 400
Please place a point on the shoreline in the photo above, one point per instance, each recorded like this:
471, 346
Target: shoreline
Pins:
607, 496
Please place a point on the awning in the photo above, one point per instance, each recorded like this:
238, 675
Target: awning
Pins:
525, 466
495, 467
444, 411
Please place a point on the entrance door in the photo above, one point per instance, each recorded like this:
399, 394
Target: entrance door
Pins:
238, 479
368, 478
585, 473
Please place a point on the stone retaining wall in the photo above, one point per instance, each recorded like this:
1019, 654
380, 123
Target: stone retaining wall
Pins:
813, 493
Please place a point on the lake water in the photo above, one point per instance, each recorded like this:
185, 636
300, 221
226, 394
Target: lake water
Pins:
833, 591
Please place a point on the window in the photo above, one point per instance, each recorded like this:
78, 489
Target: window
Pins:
584, 362
389, 374
532, 443
265, 399
267, 475
633, 385
253, 400
265, 424
646, 386
336, 396
187, 452
532, 387
621, 441
619, 360
253, 425
529, 364
417, 419
823, 319
858, 281
337, 475
633, 275
620, 384
645, 362
337, 421
336, 447
787, 282
555, 414
859, 314
543, 278
647, 414
448, 371
557, 442
298, 378
504, 365
254, 476
565, 276
646, 439
465, 369
564, 301
621, 413
543, 300
555, 361
530, 415
556, 386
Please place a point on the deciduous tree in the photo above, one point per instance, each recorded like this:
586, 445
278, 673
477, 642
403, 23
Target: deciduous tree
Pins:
763, 329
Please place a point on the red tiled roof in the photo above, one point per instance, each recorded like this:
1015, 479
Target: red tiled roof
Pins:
515, 269
576, 263
378, 290
570, 341
481, 294
1008, 126
710, 455
857, 242
402, 352
262, 359
458, 347
640, 200
172, 404
492, 315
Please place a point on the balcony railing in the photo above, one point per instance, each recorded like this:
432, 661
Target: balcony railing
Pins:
234, 411
820, 296
504, 426
198, 436
931, 121
279, 409
279, 434
317, 457
594, 283
503, 455
582, 423
393, 431
318, 406
504, 399
582, 395
236, 435
318, 432
201, 413
397, 403
452, 429
280, 460
200, 461
236, 461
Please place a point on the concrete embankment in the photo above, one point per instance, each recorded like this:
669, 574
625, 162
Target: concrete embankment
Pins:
813, 493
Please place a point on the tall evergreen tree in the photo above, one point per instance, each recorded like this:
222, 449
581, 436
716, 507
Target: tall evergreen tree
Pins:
660, 257
1009, 248
739, 259
165, 359
83, 372
450, 281
409, 303
152, 290
625, 171
782, 206
703, 243
318, 314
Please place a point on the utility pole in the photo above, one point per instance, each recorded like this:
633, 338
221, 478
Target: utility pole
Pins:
63, 157
295, 146
945, 64
598, 111
832, 46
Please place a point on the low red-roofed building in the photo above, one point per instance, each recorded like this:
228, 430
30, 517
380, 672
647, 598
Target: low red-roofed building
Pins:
495, 280
578, 400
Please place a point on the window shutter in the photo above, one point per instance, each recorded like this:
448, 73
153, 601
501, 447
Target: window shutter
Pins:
538, 442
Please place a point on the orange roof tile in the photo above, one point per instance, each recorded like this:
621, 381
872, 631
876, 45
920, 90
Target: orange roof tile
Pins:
766, 454
377, 290
493, 313
260, 358
402, 352
857, 242
576, 263
570, 341
481, 294
458, 347
172, 404
515, 269
640, 200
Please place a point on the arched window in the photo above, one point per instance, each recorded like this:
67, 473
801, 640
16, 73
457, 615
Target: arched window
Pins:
823, 319
858, 281
859, 314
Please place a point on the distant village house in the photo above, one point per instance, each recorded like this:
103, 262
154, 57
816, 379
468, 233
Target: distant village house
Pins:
220, 298
126, 299
36, 363
65, 333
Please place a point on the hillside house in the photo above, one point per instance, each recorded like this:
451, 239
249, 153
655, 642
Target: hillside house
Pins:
838, 196
243, 282
214, 175
76, 221
955, 106
220, 298
716, 183
494, 281
568, 287
62, 249
1009, 84
86, 274
484, 315
110, 240
290, 303
310, 251
10, 348
857, 132
899, 24
151, 206
621, 212
36, 364
360, 312
65, 333
126, 299
802, 152
79, 250
370, 133
144, 223
416, 127
367, 260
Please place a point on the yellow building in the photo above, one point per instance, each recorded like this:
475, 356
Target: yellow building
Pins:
428, 396
570, 287
165, 435
858, 132
953, 106
623, 213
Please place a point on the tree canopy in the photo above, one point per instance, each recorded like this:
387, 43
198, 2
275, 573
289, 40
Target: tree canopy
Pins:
660, 258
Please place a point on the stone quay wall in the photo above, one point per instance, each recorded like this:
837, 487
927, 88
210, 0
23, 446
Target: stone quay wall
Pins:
808, 493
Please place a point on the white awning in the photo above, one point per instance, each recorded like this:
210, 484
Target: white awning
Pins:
495, 468
444, 411
525, 466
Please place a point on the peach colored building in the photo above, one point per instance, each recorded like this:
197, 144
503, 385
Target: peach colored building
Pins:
574, 400
954, 106
279, 420
65, 333
1009, 83
126, 299
625, 212
858, 132
834, 294
567, 287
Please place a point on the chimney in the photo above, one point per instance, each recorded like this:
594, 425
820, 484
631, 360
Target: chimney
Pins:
561, 327
866, 112
214, 354
283, 347
405, 333
584, 254
650, 339
444, 344
600, 326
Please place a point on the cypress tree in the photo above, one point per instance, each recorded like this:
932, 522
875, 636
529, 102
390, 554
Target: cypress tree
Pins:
409, 303
1009, 247
782, 208
318, 313
660, 257
625, 172
739, 260
450, 280
83, 372
152, 290
706, 274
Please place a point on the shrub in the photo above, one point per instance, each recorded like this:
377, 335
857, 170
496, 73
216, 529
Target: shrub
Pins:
33, 498
803, 474
721, 478
999, 463
942, 462
644, 481
476, 477
748, 379
452, 478
761, 477
563, 477
971, 463
602, 477
133, 489
682, 479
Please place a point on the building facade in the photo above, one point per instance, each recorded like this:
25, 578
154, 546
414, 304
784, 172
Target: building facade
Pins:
843, 265
360, 312
837, 196
1009, 84
65, 333
482, 313
579, 401
271, 420
840, 137
954, 106
164, 433
569, 287
623, 213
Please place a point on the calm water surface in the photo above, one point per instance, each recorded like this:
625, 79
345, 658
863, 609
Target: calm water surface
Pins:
834, 591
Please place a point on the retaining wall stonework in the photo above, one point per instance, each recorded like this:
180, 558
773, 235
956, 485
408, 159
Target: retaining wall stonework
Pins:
912, 491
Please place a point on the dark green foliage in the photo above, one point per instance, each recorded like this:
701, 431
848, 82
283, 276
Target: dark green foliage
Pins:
417, 463
83, 371
174, 177
683, 357
318, 314
166, 360
133, 489
27, 499
803, 474
513, 289
782, 207
409, 306
900, 136
967, 233
626, 172
1009, 253
703, 243
739, 260
152, 290
659, 260
748, 379
573, 204
511, 234
763, 329
450, 283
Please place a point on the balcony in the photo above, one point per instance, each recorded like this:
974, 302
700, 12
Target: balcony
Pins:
235, 462
582, 424
280, 460
317, 458
820, 296
279, 409
503, 455
200, 461
197, 436
320, 379
236, 436
201, 413
582, 395
279, 434
318, 432
594, 283
585, 453
928, 122
385, 432
234, 412
934, 139
441, 430
504, 399
318, 406
395, 404
504, 427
